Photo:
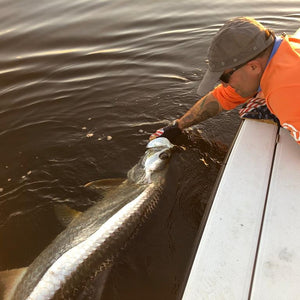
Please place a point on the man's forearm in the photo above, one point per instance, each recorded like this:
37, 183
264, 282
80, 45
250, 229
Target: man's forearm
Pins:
205, 108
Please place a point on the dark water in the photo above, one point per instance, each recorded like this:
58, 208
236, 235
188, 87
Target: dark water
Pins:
73, 73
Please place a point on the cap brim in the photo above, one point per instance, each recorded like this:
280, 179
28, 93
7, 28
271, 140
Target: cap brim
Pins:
208, 82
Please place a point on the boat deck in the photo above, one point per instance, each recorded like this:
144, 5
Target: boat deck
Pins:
250, 247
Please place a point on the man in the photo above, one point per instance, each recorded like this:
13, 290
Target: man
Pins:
252, 65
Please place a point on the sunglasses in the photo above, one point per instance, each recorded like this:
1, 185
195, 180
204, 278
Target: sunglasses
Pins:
225, 77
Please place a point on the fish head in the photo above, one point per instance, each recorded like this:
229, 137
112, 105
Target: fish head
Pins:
153, 164
156, 159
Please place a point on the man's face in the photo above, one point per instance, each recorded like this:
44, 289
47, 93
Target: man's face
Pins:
245, 80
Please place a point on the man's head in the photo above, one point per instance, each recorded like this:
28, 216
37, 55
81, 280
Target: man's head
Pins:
237, 50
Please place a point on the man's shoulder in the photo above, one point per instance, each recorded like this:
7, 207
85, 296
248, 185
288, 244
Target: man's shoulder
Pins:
294, 41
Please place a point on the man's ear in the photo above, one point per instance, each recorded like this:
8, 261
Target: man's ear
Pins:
255, 66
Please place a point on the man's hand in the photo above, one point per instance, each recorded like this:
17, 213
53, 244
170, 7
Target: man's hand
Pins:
170, 132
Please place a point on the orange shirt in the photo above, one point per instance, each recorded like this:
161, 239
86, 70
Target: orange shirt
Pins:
280, 85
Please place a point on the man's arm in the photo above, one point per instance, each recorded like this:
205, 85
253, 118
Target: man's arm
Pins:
205, 108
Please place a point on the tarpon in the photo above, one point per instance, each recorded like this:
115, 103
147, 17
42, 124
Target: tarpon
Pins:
92, 240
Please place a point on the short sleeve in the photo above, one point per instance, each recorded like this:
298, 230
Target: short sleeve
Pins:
228, 97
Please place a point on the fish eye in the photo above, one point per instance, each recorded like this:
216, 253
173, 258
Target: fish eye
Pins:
164, 155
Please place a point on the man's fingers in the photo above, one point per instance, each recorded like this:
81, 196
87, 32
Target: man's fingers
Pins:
156, 134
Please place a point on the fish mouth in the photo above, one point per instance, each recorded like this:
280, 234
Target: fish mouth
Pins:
162, 146
160, 142
153, 164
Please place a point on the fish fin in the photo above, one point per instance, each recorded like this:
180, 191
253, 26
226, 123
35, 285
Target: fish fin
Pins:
8, 282
66, 214
105, 185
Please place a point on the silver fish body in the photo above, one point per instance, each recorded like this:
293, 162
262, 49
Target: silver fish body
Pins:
90, 243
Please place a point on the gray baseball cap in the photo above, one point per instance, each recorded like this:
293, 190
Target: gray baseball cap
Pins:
238, 41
